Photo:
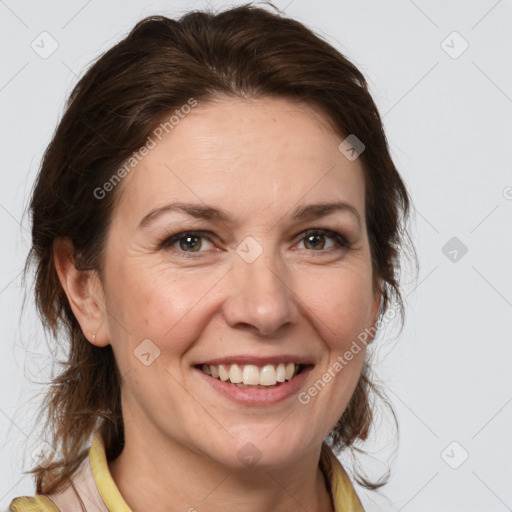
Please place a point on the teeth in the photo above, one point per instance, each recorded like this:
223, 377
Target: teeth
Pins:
290, 370
235, 374
214, 371
281, 373
252, 375
223, 373
268, 375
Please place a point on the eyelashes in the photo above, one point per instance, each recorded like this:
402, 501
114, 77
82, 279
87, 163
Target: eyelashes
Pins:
313, 237
333, 235
188, 236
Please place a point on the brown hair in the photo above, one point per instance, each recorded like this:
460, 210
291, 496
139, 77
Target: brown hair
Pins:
242, 52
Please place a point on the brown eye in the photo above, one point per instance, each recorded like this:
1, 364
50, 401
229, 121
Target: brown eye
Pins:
317, 240
314, 241
187, 242
190, 242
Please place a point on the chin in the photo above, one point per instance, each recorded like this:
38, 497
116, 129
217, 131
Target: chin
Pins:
256, 448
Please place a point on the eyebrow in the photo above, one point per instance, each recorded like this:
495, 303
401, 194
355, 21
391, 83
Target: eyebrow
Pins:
201, 211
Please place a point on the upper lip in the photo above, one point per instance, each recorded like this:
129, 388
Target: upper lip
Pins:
260, 360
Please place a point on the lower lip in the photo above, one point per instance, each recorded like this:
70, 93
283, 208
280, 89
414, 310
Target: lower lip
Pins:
258, 397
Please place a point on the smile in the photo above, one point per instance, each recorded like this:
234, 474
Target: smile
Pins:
261, 384
251, 375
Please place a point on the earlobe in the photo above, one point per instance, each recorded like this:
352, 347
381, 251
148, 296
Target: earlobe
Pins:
84, 291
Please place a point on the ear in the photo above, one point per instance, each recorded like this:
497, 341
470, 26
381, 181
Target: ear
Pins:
84, 291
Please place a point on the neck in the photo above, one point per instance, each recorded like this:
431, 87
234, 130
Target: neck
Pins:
154, 473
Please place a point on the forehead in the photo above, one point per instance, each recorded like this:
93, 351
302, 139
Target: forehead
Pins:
264, 155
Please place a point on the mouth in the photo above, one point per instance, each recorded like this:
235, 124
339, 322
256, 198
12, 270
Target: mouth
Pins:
252, 376
256, 382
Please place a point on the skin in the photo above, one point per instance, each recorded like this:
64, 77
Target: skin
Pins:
257, 160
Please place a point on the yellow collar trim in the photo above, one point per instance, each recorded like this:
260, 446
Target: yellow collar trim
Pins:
344, 496
36, 504
106, 486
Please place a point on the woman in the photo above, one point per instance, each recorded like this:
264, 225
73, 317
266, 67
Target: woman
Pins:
216, 227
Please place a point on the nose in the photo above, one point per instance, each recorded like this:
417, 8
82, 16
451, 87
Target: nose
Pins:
261, 299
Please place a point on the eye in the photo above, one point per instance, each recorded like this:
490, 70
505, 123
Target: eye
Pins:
315, 239
192, 241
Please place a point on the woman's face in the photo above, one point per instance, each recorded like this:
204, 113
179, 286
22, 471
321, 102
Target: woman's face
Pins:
248, 281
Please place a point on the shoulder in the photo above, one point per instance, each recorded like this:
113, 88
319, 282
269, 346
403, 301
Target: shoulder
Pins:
38, 503
64, 500
81, 494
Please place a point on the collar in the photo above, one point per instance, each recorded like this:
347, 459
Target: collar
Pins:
343, 494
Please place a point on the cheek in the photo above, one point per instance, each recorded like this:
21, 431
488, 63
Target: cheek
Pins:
339, 303
161, 304
340, 306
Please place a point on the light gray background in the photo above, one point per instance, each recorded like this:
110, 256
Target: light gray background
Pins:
449, 125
